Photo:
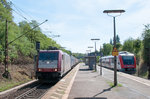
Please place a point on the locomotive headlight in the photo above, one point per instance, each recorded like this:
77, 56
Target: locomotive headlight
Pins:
40, 70
55, 70
47, 62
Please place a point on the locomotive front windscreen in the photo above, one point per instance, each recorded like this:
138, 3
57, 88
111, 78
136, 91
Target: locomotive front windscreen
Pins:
128, 60
48, 60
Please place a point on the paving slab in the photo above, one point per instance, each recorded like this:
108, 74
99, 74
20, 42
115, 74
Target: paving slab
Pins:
62, 88
135, 84
90, 85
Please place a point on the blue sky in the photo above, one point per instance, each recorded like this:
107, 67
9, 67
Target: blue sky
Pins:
77, 21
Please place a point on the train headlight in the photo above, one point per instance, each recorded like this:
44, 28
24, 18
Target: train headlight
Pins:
55, 69
40, 70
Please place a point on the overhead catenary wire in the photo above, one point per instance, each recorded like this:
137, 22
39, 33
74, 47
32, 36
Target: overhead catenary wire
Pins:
21, 15
26, 32
20, 12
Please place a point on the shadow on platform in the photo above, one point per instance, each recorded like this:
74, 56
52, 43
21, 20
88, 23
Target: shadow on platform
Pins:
85, 69
104, 90
90, 98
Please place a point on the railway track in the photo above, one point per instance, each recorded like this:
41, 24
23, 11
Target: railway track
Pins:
32, 91
35, 92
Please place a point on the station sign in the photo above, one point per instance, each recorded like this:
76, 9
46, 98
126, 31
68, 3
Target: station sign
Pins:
115, 52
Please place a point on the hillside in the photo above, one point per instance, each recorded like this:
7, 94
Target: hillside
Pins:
22, 38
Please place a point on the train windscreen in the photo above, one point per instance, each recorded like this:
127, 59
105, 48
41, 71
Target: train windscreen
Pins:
128, 60
48, 60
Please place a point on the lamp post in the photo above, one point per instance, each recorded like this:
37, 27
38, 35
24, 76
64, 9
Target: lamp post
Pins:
114, 16
96, 39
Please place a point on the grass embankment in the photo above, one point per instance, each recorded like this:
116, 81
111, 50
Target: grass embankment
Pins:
19, 74
8, 84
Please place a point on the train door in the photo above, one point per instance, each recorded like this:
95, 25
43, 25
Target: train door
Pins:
112, 62
118, 64
63, 67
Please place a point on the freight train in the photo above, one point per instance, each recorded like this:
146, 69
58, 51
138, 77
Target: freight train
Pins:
53, 64
125, 61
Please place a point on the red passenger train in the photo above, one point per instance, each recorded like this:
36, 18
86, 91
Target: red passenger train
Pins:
125, 61
53, 64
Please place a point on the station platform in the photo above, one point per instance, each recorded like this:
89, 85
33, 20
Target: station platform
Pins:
83, 83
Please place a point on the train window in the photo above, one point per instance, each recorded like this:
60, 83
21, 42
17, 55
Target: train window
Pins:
48, 56
128, 60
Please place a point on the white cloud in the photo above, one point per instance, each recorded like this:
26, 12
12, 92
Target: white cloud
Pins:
77, 21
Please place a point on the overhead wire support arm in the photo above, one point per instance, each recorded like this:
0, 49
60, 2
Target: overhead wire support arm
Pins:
26, 32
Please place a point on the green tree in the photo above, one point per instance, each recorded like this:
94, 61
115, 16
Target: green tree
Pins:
27, 28
78, 55
146, 42
6, 14
24, 46
107, 49
146, 49
128, 45
111, 42
118, 46
117, 39
137, 45
5, 10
